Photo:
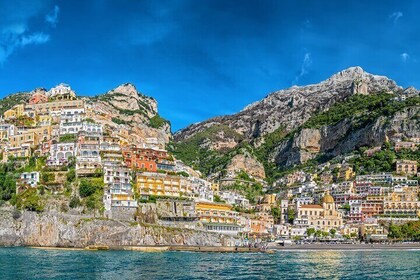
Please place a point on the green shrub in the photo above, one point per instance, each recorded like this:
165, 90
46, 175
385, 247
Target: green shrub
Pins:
68, 138
88, 187
29, 200
157, 122
74, 202
71, 175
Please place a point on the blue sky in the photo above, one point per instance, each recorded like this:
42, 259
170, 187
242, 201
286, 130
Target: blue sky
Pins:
201, 58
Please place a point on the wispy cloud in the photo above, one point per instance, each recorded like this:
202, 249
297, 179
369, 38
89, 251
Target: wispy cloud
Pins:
34, 38
395, 16
405, 56
52, 16
306, 63
15, 31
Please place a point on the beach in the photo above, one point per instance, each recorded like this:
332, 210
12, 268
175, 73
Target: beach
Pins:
341, 247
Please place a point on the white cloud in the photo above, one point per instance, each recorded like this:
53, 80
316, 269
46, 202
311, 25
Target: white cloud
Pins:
404, 56
306, 63
15, 31
52, 16
34, 38
395, 16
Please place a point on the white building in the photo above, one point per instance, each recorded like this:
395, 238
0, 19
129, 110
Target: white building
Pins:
61, 90
119, 192
92, 127
198, 189
61, 152
8, 129
30, 178
234, 198
305, 200
71, 125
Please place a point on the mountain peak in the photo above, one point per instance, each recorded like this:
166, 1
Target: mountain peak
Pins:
349, 73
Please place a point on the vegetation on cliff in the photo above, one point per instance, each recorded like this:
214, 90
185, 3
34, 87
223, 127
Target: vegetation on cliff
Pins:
195, 151
12, 100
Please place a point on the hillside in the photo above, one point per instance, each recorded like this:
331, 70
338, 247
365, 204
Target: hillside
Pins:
350, 109
124, 105
127, 106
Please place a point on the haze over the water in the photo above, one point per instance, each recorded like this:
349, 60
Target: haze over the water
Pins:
202, 58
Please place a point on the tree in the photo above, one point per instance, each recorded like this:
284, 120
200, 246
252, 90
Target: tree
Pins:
291, 215
276, 212
29, 200
310, 232
88, 187
318, 233
333, 231
394, 231
71, 175
218, 199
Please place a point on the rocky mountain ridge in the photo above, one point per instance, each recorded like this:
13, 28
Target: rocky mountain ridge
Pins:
281, 117
293, 106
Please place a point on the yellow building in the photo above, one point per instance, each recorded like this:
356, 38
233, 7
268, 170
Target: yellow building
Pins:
22, 151
215, 187
210, 212
269, 199
373, 232
403, 202
159, 184
408, 167
323, 217
45, 108
346, 173
15, 112
43, 132
30, 138
43, 120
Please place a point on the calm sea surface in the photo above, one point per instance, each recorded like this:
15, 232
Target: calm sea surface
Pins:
27, 263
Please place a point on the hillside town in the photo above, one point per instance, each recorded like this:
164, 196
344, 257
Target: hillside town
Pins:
61, 144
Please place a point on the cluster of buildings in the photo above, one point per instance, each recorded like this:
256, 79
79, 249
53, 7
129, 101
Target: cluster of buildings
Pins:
68, 132
355, 205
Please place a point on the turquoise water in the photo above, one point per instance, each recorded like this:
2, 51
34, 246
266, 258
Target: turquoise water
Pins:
27, 263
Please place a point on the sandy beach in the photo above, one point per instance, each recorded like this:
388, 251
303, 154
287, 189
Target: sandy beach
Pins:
341, 247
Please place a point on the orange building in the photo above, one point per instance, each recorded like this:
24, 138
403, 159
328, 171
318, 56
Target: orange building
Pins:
143, 158
38, 97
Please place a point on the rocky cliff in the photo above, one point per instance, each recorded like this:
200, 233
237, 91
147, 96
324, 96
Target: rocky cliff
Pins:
282, 118
67, 230
126, 105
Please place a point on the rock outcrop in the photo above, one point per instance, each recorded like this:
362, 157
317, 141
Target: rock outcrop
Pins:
66, 230
247, 163
126, 105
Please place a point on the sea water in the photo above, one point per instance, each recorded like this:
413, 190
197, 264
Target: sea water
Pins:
28, 263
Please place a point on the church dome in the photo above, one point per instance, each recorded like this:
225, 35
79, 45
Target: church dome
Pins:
327, 198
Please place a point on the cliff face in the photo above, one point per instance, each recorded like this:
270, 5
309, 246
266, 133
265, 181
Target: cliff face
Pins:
126, 105
290, 109
66, 230
341, 138
247, 163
